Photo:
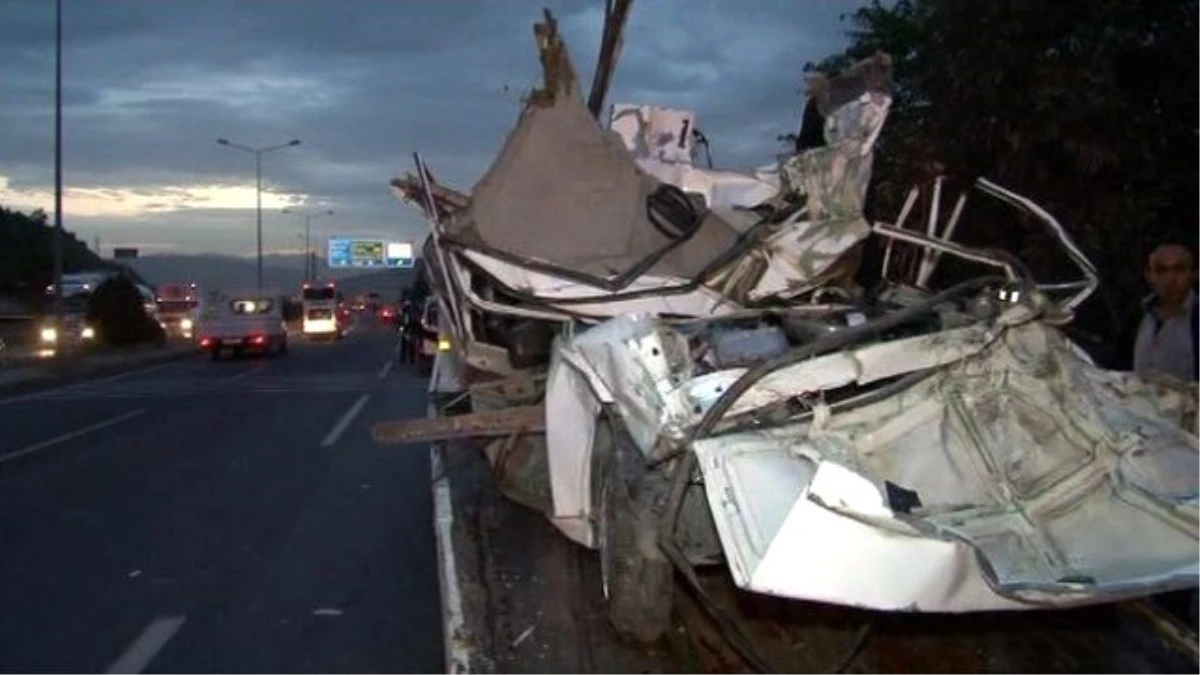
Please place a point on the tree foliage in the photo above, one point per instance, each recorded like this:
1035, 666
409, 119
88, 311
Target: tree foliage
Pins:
27, 255
1086, 107
27, 252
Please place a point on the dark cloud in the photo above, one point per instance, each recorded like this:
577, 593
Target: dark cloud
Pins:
149, 86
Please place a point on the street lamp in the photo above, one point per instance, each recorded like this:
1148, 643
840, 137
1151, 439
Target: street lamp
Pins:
308, 275
58, 177
258, 153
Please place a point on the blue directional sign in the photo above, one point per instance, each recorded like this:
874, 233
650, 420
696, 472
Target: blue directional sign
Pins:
347, 252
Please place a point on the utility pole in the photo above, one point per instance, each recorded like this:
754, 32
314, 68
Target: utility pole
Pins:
310, 265
258, 153
58, 181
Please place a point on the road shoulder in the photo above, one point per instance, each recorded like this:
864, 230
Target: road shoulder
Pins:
527, 598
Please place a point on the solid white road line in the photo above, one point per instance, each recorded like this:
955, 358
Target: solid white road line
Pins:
387, 368
29, 449
338, 429
458, 657
147, 645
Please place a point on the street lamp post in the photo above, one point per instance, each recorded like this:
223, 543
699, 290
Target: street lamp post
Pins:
309, 269
58, 181
258, 153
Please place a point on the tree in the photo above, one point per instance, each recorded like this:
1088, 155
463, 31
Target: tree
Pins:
116, 309
1087, 107
27, 255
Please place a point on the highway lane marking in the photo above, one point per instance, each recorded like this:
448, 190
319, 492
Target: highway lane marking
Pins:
387, 368
458, 657
86, 383
29, 449
338, 429
256, 369
142, 651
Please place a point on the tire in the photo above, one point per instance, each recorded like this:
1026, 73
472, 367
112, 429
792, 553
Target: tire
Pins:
216, 354
638, 580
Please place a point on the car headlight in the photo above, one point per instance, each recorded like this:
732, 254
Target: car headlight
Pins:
49, 335
185, 324
88, 333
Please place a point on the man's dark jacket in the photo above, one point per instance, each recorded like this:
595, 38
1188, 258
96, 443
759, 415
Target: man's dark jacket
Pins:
1127, 340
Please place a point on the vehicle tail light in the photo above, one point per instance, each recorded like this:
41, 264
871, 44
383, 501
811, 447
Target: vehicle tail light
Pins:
258, 339
206, 342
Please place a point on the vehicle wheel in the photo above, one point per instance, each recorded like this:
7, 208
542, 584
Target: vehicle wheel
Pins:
638, 580
216, 354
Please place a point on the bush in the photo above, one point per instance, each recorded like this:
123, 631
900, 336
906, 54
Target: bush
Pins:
116, 312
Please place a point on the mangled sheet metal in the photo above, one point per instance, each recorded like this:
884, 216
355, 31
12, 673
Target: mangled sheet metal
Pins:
663, 142
1016, 478
565, 194
1011, 473
833, 178
606, 221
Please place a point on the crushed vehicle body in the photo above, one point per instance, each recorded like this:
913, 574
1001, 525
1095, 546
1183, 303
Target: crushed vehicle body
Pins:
677, 369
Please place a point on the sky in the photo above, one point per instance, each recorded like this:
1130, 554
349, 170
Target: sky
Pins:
149, 85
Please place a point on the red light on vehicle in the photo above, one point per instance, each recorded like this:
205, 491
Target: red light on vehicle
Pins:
258, 339
206, 342
329, 285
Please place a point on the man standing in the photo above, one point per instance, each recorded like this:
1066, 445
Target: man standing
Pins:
1162, 335
407, 332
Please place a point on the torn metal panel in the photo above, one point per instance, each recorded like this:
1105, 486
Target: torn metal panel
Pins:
571, 418
1013, 479
663, 142
834, 179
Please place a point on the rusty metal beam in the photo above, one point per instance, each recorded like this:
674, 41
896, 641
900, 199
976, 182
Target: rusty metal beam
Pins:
493, 423
615, 17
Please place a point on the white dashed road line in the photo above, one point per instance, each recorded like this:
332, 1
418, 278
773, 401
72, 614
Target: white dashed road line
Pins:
346, 420
147, 645
387, 368
30, 449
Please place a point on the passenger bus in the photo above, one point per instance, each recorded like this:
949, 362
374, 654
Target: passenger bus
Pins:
320, 305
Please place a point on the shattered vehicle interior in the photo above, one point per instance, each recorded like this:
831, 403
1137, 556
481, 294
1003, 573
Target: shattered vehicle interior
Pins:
717, 389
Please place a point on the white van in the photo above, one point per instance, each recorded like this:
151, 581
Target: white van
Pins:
243, 323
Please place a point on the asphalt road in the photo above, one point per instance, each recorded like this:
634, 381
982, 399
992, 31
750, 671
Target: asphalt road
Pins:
225, 516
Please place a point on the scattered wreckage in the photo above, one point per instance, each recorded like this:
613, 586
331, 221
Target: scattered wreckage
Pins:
674, 365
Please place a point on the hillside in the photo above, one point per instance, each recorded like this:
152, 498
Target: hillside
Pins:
279, 271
